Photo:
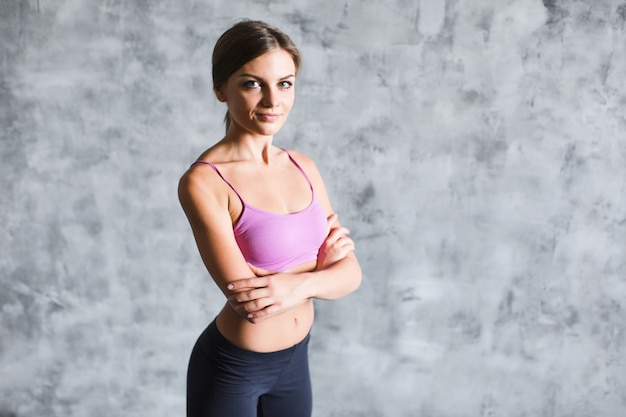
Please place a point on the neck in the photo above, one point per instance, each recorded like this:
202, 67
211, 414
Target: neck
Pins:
245, 146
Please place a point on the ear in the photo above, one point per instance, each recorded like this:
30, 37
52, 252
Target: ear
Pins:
219, 93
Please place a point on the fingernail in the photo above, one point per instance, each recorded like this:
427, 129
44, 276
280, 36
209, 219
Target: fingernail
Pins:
231, 286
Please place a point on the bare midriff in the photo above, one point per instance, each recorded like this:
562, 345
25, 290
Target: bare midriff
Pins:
273, 334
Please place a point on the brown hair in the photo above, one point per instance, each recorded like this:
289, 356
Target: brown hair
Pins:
242, 43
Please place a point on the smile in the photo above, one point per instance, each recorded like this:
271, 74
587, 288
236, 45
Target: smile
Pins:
268, 117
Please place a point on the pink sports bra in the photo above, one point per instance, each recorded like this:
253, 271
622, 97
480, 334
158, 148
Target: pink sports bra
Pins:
279, 242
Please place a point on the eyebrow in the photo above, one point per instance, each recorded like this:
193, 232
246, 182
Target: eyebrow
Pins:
261, 79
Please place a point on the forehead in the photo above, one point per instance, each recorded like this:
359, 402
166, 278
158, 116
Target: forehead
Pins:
275, 63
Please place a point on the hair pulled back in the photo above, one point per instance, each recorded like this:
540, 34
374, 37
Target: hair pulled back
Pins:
244, 42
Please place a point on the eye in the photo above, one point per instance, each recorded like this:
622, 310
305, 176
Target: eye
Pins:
251, 84
285, 85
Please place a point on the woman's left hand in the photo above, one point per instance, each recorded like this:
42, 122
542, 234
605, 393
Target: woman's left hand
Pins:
266, 295
336, 246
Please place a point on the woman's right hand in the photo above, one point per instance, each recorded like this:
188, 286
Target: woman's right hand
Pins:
336, 245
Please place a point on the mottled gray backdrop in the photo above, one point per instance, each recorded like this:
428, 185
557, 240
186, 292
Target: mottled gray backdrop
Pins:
476, 150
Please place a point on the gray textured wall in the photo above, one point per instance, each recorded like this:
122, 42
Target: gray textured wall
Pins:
476, 149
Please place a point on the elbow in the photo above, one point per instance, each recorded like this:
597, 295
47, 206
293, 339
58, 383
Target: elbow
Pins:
357, 280
351, 286
356, 277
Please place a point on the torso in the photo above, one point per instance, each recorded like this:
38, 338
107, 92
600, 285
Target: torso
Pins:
267, 191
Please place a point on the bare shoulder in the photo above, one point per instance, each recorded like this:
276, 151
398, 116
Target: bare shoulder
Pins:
314, 175
305, 162
200, 183
193, 179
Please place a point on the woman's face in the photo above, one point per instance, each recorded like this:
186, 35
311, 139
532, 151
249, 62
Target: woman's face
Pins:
261, 93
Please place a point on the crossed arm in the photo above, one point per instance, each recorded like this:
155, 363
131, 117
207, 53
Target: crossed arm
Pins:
254, 293
336, 274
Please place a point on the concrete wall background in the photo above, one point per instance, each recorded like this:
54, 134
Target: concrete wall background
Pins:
475, 149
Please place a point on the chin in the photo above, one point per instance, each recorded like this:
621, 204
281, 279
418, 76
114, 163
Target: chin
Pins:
269, 130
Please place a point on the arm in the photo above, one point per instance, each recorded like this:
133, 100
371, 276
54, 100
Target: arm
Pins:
204, 199
338, 278
337, 273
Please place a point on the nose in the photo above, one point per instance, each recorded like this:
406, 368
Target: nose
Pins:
270, 98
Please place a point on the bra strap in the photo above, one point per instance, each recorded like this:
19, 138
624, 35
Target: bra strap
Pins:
202, 161
299, 167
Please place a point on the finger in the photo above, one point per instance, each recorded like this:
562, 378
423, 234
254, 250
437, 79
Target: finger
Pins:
341, 252
247, 283
249, 306
346, 242
335, 235
260, 315
332, 222
340, 248
252, 307
339, 232
260, 272
249, 295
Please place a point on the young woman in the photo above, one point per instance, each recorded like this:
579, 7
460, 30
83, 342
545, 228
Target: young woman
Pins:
266, 232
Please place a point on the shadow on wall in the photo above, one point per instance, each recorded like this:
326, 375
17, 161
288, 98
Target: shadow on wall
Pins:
7, 413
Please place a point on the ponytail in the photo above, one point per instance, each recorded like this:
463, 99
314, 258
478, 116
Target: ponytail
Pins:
227, 120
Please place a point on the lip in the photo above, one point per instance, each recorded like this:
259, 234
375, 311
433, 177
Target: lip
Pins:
268, 117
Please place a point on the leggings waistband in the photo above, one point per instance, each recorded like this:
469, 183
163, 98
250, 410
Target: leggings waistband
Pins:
214, 335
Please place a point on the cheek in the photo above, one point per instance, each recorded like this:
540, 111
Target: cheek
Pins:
289, 101
239, 104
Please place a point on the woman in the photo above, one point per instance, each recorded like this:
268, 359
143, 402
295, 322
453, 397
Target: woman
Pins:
267, 234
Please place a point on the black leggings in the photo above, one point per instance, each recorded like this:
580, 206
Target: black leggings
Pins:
224, 380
